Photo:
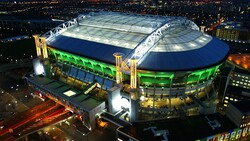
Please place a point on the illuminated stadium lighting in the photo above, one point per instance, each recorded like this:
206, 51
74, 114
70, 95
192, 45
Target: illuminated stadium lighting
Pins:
201, 41
192, 44
116, 103
203, 38
125, 103
177, 47
38, 68
69, 93
142, 98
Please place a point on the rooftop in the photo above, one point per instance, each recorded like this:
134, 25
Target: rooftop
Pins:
180, 47
242, 71
236, 90
242, 106
189, 129
63, 91
233, 25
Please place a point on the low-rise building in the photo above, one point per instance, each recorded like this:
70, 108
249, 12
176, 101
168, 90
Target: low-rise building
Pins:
202, 128
234, 93
238, 87
74, 100
233, 31
239, 113
240, 78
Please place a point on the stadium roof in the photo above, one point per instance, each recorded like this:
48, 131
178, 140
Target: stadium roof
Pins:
100, 35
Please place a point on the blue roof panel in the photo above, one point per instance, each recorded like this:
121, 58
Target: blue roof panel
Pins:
94, 50
212, 53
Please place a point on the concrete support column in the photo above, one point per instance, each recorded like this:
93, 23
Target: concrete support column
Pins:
185, 101
134, 105
169, 99
206, 92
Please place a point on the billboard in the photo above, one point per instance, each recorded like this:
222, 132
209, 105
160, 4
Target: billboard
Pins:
231, 135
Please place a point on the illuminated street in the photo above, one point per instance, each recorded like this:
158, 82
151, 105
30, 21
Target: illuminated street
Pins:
25, 101
24, 122
240, 59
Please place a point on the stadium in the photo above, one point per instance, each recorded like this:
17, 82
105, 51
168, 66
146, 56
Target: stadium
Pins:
141, 66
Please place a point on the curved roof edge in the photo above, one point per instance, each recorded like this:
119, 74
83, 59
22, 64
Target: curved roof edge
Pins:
222, 53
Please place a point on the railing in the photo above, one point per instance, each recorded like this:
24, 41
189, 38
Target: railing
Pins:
63, 27
142, 49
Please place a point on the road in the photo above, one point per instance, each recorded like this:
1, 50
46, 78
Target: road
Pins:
33, 119
25, 118
16, 90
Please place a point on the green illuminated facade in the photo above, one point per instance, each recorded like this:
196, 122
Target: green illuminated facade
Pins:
84, 63
145, 78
